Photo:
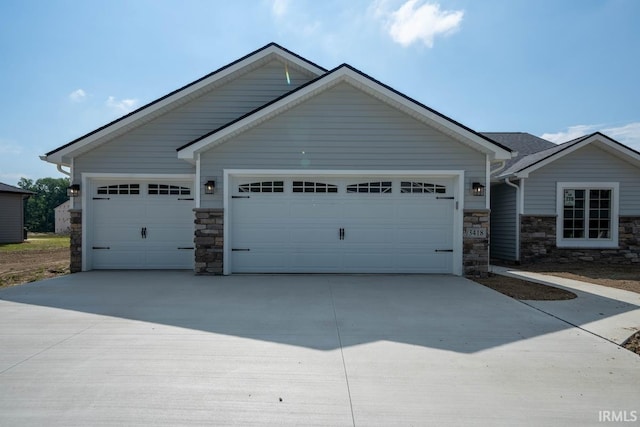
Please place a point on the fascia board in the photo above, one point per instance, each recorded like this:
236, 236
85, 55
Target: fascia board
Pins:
602, 139
433, 119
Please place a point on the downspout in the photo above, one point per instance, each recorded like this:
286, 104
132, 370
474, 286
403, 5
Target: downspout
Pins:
62, 171
518, 212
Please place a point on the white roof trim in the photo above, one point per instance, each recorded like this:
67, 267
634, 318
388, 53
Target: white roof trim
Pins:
346, 74
609, 144
157, 107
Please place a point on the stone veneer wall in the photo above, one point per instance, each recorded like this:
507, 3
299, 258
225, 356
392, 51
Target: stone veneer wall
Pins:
538, 243
475, 252
209, 240
75, 232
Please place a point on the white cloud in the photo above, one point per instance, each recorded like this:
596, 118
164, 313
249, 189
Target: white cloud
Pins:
78, 95
122, 106
572, 132
416, 21
279, 7
8, 147
12, 178
628, 134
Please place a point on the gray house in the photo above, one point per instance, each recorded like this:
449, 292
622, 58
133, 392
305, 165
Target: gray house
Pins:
12, 213
275, 164
577, 201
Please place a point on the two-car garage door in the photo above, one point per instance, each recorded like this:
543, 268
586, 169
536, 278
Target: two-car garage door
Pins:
341, 225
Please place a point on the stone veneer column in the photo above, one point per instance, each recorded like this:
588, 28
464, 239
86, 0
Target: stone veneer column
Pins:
209, 240
75, 234
475, 242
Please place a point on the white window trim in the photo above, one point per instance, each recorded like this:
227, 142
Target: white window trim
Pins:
562, 242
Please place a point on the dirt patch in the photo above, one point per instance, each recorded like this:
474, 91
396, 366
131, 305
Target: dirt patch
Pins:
525, 290
29, 265
633, 343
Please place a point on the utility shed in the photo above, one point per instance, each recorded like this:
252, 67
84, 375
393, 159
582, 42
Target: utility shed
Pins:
12, 213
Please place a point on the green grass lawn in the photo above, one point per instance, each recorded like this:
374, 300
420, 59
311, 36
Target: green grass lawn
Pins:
37, 242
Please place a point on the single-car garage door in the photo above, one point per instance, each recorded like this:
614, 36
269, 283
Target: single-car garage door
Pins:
141, 225
341, 225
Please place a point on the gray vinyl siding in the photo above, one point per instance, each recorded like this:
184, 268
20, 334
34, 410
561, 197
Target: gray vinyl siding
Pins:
11, 218
587, 164
343, 128
503, 222
151, 148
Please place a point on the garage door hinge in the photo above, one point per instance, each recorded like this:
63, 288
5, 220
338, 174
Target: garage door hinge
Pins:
102, 198
186, 247
444, 250
445, 198
240, 197
240, 250
186, 199
101, 247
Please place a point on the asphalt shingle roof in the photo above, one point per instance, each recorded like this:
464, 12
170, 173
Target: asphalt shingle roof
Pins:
523, 143
6, 188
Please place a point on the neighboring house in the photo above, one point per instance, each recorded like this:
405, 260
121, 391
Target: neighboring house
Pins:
284, 167
12, 213
577, 201
63, 217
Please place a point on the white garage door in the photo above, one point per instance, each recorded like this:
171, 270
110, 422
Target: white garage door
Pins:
338, 225
140, 225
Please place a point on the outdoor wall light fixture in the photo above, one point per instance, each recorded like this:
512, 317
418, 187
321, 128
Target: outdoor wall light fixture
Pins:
477, 189
210, 187
73, 190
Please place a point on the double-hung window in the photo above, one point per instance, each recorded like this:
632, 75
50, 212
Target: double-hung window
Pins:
587, 214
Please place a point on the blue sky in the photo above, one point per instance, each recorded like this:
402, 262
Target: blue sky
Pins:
557, 69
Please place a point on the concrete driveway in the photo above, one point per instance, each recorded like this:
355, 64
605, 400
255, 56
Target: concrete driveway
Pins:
170, 348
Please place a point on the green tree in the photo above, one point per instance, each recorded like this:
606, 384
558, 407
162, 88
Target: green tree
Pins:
39, 208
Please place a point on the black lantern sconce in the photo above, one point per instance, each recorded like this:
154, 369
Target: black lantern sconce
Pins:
477, 189
73, 190
210, 187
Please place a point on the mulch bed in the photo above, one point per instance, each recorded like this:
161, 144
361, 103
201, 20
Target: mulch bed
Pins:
525, 290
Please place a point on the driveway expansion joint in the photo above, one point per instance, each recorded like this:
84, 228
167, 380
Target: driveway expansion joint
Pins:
344, 365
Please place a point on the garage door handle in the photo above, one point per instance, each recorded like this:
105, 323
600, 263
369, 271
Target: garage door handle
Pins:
143, 232
341, 234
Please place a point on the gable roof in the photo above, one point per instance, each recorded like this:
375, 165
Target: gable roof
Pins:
346, 73
6, 188
527, 164
178, 97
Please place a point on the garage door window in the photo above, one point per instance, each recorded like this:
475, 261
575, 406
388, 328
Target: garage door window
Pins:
421, 187
168, 190
126, 189
262, 187
313, 187
370, 187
